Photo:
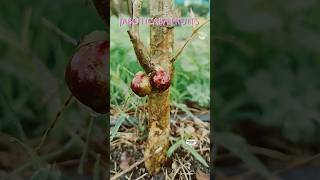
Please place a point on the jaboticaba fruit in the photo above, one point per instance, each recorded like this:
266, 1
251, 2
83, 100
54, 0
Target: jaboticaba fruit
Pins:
87, 75
140, 84
160, 79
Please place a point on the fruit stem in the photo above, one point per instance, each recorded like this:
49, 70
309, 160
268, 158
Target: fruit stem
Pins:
53, 123
194, 32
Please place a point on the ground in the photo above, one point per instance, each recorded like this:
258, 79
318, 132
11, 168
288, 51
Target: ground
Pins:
127, 149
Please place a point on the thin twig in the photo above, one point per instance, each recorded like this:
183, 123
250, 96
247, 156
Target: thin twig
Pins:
129, 169
21, 131
129, 3
34, 158
84, 152
194, 32
269, 152
296, 164
142, 176
137, 4
53, 123
91, 152
134, 165
139, 48
57, 30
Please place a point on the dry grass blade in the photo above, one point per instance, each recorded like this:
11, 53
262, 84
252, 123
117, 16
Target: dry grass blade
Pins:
129, 169
53, 123
134, 165
85, 149
194, 32
57, 30
142, 176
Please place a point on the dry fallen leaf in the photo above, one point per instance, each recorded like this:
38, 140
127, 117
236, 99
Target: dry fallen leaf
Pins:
125, 161
174, 165
201, 175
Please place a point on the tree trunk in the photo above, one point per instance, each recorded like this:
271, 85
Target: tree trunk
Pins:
161, 47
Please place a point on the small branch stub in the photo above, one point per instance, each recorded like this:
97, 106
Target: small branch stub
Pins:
141, 53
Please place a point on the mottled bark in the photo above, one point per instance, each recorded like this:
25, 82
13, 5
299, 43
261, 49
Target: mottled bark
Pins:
160, 53
161, 47
141, 53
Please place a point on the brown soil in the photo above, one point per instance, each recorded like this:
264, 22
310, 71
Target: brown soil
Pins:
128, 149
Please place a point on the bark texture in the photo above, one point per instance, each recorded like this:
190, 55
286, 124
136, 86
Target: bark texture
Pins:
161, 47
159, 54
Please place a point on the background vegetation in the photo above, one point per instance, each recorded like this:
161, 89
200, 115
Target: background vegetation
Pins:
33, 57
266, 85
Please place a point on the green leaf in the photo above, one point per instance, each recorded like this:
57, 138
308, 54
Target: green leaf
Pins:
184, 108
239, 147
195, 154
174, 147
187, 147
114, 131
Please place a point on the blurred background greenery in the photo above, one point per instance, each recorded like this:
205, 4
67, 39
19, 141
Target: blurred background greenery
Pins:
33, 56
266, 87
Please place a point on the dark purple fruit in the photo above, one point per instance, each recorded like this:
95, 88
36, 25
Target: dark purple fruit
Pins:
87, 75
140, 84
161, 79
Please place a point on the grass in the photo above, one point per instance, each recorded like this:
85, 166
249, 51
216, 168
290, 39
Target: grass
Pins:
33, 57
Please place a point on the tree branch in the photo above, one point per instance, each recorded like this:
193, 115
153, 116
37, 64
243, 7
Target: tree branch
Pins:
141, 53
194, 32
129, 3
139, 48
137, 4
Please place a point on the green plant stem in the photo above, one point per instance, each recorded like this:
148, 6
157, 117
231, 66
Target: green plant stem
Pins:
85, 149
20, 129
53, 123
